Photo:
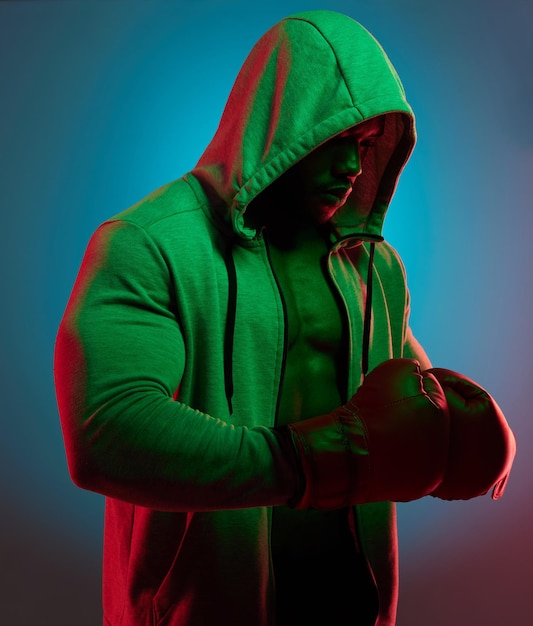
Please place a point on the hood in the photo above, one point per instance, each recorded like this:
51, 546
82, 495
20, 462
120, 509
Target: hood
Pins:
310, 77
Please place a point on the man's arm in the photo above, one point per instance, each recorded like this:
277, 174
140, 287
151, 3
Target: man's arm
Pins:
119, 359
413, 350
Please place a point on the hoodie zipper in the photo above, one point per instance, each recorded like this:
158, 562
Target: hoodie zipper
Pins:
353, 514
285, 328
278, 399
348, 355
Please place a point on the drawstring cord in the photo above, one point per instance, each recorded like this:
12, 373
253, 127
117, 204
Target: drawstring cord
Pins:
230, 324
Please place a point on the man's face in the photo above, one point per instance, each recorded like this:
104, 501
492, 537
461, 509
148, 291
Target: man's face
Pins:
322, 181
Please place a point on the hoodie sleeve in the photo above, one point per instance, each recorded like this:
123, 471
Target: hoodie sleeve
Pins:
119, 359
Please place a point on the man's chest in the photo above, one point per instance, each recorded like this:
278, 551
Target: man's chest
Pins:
315, 347
313, 307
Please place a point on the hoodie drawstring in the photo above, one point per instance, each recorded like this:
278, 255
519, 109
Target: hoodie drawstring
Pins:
368, 312
230, 324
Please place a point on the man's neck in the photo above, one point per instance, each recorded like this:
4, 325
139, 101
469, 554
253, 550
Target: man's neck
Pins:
290, 235
287, 224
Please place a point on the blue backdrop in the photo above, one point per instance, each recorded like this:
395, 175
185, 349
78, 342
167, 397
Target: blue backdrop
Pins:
101, 102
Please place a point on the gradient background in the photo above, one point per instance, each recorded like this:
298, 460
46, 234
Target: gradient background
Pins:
104, 101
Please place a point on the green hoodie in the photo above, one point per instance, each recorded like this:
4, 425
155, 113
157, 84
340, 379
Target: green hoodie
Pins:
170, 354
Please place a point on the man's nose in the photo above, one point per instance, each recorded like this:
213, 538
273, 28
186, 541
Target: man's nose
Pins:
348, 161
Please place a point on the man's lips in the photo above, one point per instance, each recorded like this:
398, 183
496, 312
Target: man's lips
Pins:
339, 191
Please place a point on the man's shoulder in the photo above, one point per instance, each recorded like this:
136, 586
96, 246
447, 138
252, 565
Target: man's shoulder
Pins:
389, 265
387, 256
176, 202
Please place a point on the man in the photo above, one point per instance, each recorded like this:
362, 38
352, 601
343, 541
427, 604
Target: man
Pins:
235, 370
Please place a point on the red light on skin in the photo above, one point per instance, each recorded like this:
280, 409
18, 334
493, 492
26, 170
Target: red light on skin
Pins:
69, 358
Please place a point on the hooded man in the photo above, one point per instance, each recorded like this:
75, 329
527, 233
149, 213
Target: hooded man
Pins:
235, 371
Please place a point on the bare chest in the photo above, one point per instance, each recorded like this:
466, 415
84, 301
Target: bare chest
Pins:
314, 333
312, 307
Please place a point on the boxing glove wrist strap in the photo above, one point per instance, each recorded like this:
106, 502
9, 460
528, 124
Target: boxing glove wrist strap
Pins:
333, 453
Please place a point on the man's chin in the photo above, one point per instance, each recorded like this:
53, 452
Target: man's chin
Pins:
325, 213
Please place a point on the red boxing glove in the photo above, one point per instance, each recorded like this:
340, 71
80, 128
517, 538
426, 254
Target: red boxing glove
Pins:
389, 442
482, 446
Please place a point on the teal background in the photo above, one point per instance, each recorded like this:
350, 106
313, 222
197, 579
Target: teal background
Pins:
103, 101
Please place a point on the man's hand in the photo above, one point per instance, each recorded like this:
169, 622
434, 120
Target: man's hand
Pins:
389, 442
482, 446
